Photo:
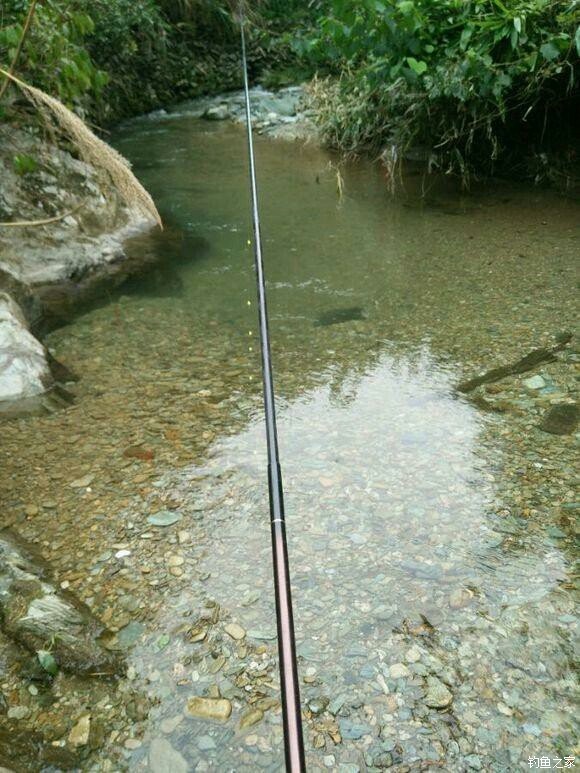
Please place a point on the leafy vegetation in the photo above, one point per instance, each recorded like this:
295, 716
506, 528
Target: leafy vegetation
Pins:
108, 59
471, 83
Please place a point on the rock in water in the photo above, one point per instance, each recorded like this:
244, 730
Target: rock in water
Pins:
399, 671
235, 631
24, 370
437, 695
36, 614
209, 708
217, 113
79, 735
163, 758
561, 419
338, 316
251, 717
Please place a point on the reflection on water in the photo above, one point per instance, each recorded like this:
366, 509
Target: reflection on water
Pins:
432, 577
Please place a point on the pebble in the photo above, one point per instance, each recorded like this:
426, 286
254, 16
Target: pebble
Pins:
209, 708
399, 671
163, 758
352, 731
79, 735
473, 761
534, 382
132, 744
235, 631
82, 482
459, 598
250, 718
413, 655
437, 695
164, 518
18, 712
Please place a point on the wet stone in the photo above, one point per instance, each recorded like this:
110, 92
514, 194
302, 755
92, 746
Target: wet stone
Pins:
163, 758
209, 708
250, 718
164, 518
351, 730
18, 712
437, 695
235, 631
79, 735
413, 655
399, 671
460, 598
561, 420
534, 383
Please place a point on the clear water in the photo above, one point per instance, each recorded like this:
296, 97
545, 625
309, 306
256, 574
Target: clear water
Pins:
423, 531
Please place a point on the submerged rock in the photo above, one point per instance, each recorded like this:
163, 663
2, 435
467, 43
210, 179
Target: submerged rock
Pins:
43, 619
79, 735
209, 708
561, 419
437, 695
163, 758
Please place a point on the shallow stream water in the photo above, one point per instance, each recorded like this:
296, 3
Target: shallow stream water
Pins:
431, 541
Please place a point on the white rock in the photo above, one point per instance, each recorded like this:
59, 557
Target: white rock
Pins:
79, 735
24, 370
399, 671
413, 655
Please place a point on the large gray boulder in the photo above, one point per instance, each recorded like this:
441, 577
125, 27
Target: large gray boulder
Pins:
24, 369
44, 619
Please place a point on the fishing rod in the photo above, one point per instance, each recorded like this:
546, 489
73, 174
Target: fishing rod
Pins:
293, 741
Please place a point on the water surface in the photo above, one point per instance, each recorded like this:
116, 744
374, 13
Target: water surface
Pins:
429, 539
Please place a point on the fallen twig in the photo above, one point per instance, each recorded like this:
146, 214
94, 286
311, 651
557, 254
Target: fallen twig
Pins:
46, 221
529, 362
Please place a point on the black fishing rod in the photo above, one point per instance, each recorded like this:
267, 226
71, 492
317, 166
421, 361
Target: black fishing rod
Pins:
294, 744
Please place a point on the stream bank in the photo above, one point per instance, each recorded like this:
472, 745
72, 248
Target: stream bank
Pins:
48, 271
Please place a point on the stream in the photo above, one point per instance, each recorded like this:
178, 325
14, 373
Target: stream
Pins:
430, 534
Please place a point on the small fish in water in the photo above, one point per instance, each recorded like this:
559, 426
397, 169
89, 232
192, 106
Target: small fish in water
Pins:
338, 316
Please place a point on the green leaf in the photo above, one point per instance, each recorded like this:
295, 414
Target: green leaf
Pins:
577, 39
47, 662
406, 7
549, 52
418, 67
517, 24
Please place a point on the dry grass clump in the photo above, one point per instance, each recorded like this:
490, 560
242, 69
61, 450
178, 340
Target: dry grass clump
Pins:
91, 149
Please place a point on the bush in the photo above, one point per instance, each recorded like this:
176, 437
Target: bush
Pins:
466, 80
54, 55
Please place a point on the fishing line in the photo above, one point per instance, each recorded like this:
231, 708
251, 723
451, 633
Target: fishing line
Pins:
293, 741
